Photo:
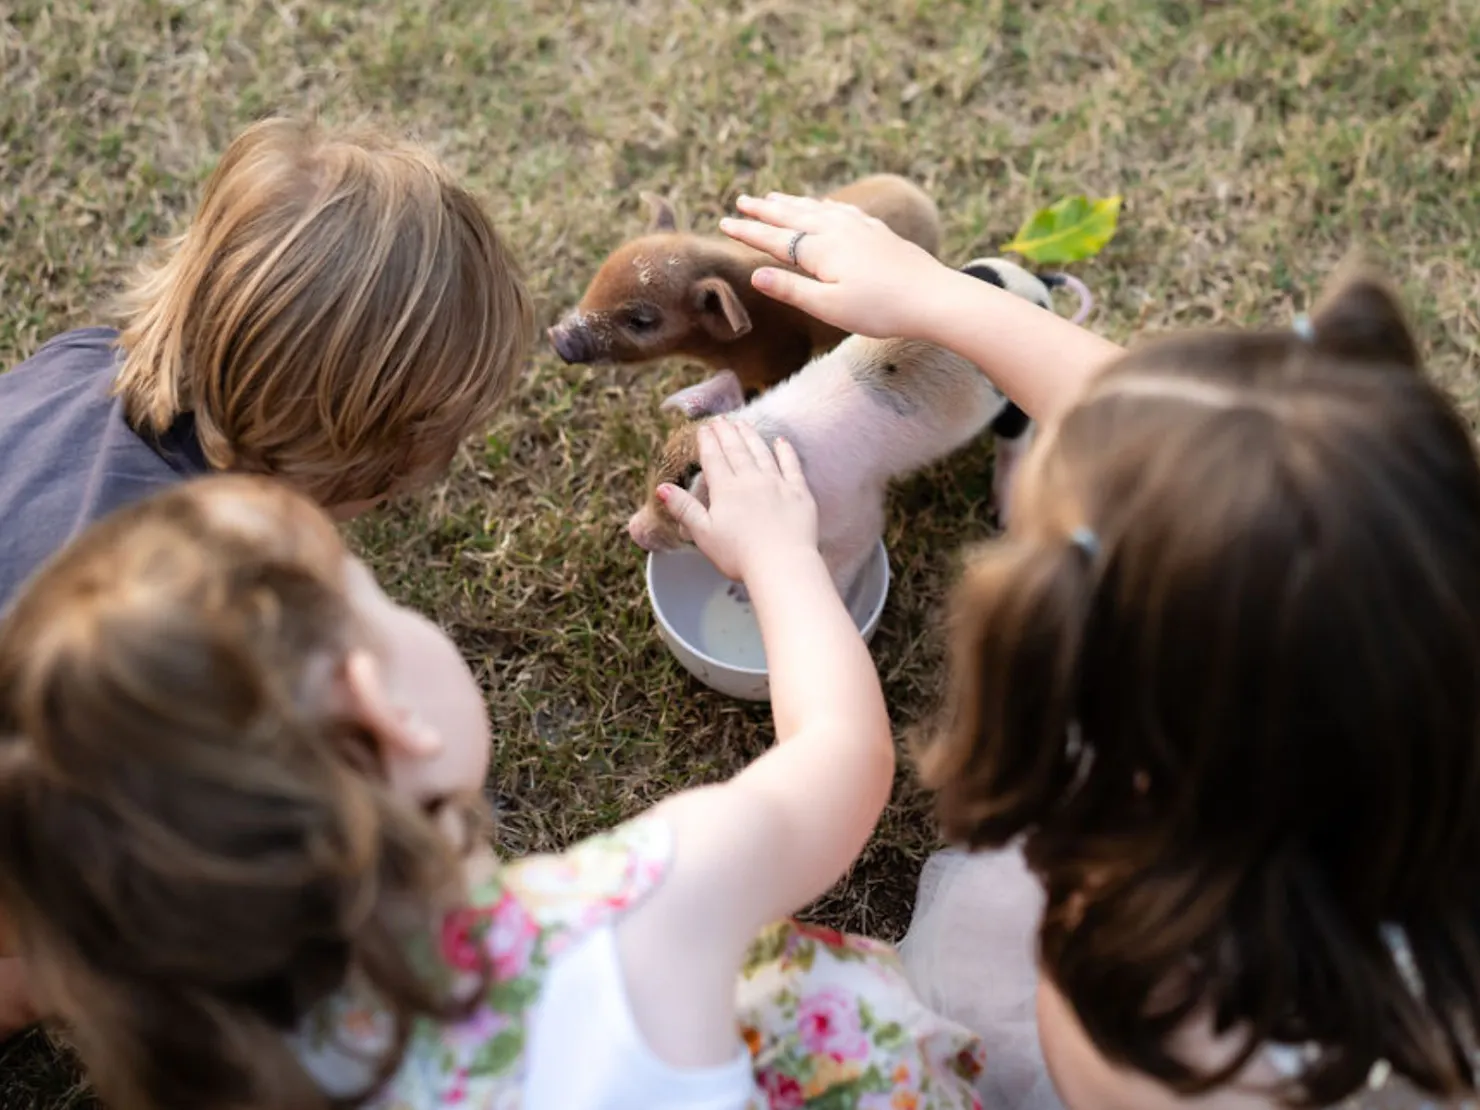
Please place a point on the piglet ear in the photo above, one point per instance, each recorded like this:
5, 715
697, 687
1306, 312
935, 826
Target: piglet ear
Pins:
1009, 275
711, 397
720, 309
660, 213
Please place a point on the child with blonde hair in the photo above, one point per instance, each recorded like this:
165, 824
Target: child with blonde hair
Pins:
340, 314
1221, 681
239, 840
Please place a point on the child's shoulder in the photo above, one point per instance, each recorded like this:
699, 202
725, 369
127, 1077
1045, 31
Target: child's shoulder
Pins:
522, 916
79, 350
519, 919
94, 337
592, 881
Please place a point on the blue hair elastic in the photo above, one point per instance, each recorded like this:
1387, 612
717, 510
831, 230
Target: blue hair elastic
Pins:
1302, 327
1085, 539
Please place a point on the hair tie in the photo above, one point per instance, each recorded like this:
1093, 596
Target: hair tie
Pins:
1085, 539
1303, 328
1395, 939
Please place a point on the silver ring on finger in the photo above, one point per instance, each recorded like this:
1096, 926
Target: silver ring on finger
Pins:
792, 249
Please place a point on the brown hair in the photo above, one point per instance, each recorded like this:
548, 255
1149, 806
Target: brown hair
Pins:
1236, 719
194, 848
340, 313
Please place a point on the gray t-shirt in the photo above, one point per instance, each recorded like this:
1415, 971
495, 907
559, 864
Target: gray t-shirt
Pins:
67, 457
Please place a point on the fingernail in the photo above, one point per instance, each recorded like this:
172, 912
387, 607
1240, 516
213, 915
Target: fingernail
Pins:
763, 279
746, 198
726, 222
665, 491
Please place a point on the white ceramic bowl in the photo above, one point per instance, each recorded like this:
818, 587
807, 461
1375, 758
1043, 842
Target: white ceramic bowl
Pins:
715, 638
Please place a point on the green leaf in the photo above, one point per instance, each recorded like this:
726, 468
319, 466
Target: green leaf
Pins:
1074, 228
768, 946
514, 996
845, 1096
499, 1054
890, 1036
806, 956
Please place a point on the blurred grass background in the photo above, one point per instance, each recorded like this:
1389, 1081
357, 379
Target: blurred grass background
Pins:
1256, 143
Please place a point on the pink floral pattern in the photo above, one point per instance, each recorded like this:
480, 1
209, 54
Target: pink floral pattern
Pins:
829, 1019
460, 947
783, 1092
513, 933
834, 1017
830, 1025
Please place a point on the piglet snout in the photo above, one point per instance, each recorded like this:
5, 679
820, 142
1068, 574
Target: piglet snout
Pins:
571, 342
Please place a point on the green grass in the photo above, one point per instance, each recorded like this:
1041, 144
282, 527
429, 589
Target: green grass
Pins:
1255, 144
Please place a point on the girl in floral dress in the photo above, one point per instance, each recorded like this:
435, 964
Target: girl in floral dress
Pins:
239, 841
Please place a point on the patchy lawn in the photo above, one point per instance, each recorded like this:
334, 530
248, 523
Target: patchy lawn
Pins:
1254, 145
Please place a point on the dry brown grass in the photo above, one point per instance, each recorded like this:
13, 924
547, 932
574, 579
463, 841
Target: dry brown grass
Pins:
1255, 145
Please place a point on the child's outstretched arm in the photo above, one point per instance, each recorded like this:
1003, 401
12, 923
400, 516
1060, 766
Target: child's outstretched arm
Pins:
866, 279
785, 829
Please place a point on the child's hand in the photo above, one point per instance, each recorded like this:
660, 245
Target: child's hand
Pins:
868, 279
759, 503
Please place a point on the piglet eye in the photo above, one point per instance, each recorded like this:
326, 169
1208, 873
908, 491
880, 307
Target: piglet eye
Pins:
890, 368
642, 319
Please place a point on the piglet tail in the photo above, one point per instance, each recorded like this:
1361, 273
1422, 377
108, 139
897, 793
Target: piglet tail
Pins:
1007, 753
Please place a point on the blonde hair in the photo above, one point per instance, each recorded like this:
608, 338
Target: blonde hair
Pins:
196, 847
340, 313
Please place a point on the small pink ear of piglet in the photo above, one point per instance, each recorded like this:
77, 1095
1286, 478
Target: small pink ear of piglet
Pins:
719, 394
660, 213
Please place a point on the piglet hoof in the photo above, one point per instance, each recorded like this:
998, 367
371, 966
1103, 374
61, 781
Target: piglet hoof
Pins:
715, 395
739, 593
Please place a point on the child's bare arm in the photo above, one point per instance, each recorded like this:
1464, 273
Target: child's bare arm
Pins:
818, 794
784, 830
866, 279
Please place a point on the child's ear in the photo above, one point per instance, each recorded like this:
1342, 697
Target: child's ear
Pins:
366, 701
714, 395
720, 309
660, 213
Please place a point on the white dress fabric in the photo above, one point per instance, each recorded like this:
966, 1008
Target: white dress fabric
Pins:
824, 1021
970, 955
586, 1052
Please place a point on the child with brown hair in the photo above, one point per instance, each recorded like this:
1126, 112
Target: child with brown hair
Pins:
340, 313
239, 791
1221, 678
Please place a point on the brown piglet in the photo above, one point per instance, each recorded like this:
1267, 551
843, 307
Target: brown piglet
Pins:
674, 292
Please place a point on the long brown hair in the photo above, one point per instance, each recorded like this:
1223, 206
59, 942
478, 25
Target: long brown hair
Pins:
195, 849
340, 313
1224, 679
